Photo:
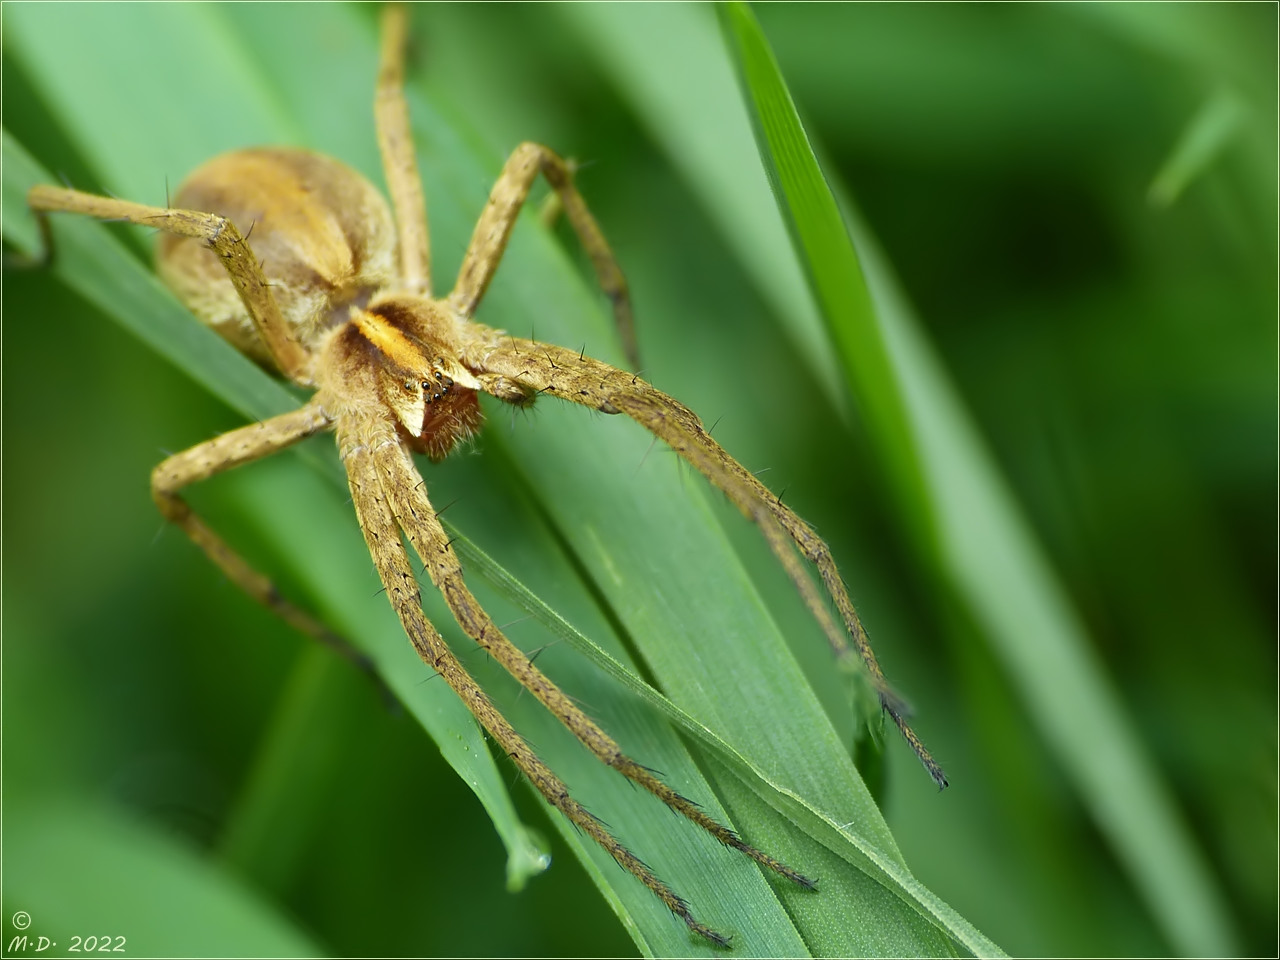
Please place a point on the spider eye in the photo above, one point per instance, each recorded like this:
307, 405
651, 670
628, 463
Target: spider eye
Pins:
442, 384
410, 386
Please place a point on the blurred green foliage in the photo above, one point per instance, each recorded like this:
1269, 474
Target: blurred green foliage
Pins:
1080, 203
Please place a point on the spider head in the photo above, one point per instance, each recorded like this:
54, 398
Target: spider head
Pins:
434, 412
398, 354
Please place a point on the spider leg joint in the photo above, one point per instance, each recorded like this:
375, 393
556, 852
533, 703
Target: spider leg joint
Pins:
511, 391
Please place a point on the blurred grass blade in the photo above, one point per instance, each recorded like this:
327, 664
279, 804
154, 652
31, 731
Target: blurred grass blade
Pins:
684, 111
982, 543
1206, 135
80, 869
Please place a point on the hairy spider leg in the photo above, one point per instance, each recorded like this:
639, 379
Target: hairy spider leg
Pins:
414, 513
517, 370
233, 449
395, 142
222, 237
363, 369
240, 446
493, 229
375, 496
399, 161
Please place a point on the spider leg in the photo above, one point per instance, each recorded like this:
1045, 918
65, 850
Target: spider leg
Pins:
413, 511
494, 228
395, 141
517, 370
223, 453
381, 477
221, 235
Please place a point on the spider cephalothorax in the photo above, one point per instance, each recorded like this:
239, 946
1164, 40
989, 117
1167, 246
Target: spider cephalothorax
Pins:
410, 346
297, 261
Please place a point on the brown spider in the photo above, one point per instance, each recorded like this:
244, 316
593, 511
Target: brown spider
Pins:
336, 294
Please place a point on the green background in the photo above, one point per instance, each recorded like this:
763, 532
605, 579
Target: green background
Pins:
1114, 342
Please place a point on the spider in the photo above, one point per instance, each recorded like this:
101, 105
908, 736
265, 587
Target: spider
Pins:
303, 266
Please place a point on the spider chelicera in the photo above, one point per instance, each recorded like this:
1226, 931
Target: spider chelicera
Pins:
299, 263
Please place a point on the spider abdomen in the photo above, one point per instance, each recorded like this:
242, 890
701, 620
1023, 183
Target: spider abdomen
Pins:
323, 234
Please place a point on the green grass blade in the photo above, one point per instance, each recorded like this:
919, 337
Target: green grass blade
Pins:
984, 545
831, 265
840, 838
1206, 135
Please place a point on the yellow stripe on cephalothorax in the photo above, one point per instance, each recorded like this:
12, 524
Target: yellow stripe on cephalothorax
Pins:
403, 352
